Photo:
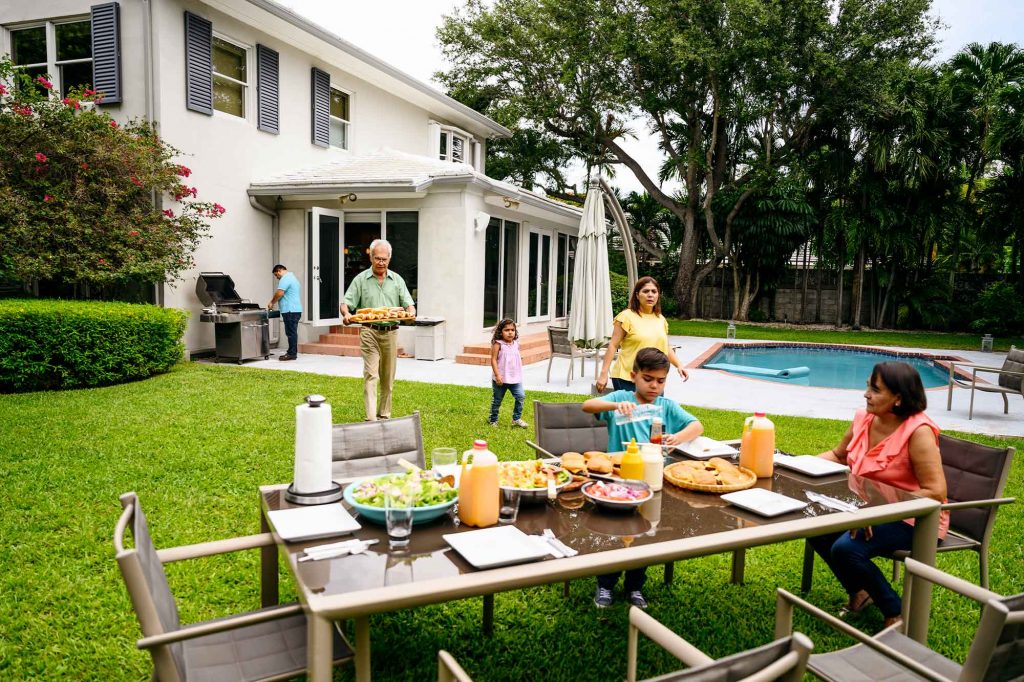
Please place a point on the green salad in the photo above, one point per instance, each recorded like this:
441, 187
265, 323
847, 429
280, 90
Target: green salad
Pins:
417, 486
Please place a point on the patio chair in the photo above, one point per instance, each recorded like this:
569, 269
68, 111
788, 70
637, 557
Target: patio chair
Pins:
449, 670
1010, 380
995, 652
369, 448
563, 347
267, 644
784, 659
976, 477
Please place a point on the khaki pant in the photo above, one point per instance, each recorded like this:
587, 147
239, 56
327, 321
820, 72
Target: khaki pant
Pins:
380, 351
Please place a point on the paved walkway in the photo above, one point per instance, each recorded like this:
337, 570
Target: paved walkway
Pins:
706, 388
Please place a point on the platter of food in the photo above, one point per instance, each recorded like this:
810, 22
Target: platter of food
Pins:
430, 497
594, 464
617, 495
715, 475
381, 315
530, 478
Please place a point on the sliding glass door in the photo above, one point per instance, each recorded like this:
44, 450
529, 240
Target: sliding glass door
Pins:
501, 263
538, 294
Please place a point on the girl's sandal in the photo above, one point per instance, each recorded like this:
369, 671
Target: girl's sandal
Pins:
851, 607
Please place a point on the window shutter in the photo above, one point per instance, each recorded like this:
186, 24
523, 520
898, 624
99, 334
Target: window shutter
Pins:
321, 87
198, 64
106, 51
267, 90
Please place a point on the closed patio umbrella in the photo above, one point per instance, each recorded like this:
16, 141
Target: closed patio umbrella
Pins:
590, 309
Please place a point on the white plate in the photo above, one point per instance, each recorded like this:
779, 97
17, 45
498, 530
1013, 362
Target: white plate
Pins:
763, 502
312, 523
703, 447
493, 547
810, 465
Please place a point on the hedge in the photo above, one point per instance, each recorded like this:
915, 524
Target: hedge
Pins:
48, 345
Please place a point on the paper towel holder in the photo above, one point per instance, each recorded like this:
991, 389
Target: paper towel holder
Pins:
332, 494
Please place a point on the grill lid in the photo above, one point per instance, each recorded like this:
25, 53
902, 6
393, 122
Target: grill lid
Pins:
216, 287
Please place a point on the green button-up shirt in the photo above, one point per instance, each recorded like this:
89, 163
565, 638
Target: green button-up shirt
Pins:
365, 291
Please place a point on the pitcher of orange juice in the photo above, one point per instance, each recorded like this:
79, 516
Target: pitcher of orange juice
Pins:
757, 447
478, 486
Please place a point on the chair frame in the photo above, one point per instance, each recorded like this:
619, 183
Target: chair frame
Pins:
955, 380
449, 670
573, 353
157, 640
993, 617
414, 418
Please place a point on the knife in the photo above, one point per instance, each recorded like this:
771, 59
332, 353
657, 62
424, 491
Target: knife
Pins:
831, 502
565, 549
337, 549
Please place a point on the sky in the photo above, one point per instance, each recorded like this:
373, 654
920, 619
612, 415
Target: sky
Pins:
402, 33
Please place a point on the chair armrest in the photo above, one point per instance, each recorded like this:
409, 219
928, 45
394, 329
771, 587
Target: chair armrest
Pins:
214, 547
666, 639
957, 363
970, 504
449, 669
540, 451
784, 627
958, 585
220, 625
997, 370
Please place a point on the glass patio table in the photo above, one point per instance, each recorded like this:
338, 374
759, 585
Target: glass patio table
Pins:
676, 524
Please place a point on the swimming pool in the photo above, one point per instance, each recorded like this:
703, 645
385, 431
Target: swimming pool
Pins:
827, 366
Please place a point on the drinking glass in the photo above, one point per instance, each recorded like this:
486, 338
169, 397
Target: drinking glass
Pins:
398, 515
508, 511
444, 462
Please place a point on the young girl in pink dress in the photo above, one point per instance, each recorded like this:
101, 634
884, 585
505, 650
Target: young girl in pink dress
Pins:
507, 366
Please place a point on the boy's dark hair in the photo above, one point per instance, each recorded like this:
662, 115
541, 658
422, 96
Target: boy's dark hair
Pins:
278, 267
634, 298
496, 336
903, 380
650, 358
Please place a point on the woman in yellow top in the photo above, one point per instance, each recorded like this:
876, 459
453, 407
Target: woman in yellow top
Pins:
639, 326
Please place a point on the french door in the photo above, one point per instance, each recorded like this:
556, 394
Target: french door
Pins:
326, 281
501, 267
538, 284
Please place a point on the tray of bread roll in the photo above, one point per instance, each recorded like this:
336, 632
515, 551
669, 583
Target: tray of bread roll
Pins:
382, 315
715, 475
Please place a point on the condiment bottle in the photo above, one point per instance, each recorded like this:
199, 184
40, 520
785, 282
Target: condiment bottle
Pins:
656, 425
632, 463
654, 465
757, 446
478, 486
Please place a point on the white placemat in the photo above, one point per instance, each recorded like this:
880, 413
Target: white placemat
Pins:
703, 447
763, 502
313, 522
497, 546
810, 465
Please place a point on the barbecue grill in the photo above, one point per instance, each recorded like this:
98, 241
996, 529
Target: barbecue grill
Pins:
241, 327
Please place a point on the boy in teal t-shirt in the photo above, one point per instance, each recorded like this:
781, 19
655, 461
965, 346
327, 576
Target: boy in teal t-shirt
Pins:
629, 415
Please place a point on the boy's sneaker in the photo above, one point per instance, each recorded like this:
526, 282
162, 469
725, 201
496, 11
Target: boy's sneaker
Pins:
492, 424
521, 424
603, 598
636, 598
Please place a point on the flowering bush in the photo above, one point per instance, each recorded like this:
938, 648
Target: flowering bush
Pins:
78, 191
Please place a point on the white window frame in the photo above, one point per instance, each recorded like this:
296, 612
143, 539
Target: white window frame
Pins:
51, 64
246, 85
449, 133
346, 123
552, 236
569, 274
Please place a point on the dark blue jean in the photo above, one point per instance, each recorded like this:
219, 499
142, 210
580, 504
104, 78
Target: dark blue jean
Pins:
291, 330
635, 579
498, 394
623, 385
850, 561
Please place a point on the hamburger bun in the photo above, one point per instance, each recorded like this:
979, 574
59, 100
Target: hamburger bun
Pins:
573, 461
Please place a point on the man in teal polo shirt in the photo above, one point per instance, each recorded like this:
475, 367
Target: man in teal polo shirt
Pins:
287, 296
377, 287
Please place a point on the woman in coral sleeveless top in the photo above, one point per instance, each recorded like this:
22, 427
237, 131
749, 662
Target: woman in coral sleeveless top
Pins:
892, 441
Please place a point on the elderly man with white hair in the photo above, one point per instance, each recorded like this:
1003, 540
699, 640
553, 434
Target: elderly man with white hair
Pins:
378, 287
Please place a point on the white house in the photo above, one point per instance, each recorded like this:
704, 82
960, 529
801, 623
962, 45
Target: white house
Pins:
315, 147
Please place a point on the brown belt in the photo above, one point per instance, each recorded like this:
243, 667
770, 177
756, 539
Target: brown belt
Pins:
382, 327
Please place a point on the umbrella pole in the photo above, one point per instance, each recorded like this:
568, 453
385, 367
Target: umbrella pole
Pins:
619, 216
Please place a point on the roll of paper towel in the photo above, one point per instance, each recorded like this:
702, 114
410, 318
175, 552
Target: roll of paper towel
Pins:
312, 445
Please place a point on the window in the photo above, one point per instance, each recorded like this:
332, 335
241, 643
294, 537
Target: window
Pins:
230, 77
539, 275
403, 233
500, 269
455, 146
339, 119
565, 265
61, 50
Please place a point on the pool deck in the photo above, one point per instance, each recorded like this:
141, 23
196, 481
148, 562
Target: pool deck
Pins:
706, 388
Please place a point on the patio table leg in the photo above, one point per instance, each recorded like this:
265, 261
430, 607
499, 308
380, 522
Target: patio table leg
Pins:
917, 593
269, 595
488, 615
362, 649
739, 565
319, 649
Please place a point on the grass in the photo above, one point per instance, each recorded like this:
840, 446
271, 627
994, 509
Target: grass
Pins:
915, 339
195, 443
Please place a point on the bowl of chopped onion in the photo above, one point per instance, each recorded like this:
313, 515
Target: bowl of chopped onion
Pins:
625, 494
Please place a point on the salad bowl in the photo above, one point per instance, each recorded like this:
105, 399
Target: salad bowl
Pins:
433, 499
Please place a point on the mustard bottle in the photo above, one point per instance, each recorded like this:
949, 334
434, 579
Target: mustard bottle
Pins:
632, 463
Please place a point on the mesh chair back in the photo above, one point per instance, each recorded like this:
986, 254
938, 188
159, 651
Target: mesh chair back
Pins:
559, 338
565, 427
1014, 363
973, 472
368, 448
736, 667
152, 593
1006, 660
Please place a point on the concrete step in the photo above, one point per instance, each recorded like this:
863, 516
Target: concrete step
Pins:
529, 356
526, 343
351, 330
329, 349
340, 339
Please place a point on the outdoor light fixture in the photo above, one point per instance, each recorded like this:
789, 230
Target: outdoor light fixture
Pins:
345, 198
510, 203
480, 221
986, 343
730, 331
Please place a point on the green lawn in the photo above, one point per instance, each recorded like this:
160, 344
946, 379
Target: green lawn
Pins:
916, 339
195, 444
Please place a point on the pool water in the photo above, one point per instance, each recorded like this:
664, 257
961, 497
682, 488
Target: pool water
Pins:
830, 367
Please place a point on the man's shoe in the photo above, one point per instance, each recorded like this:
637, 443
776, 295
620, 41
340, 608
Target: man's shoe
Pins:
521, 424
286, 357
636, 598
493, 424
603, 598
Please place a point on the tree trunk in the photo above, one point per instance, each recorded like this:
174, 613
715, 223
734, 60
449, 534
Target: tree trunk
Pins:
685, 280
821, 272
803, 292
841, 255
873, 293
749, 294
736, 292
857, 288
888, 292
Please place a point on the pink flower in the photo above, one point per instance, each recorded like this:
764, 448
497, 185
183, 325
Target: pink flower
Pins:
41, 157
133, 233
47, 198
169, 213
3, 89
184, 171
136, 182
89, 93
22, 110
71, 102
84, 166
219, 210
102, 261
45, 83
42, 168
113, 124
